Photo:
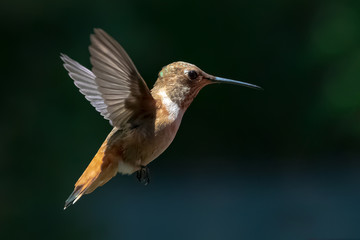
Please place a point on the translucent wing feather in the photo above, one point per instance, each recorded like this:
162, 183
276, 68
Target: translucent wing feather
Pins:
114, 86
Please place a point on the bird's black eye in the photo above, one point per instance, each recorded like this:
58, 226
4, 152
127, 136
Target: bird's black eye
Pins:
192, 74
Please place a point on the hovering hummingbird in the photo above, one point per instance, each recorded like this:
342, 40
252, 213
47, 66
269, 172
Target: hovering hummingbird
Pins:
145, 121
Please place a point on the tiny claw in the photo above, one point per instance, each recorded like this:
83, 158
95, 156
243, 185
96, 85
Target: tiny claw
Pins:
143, 175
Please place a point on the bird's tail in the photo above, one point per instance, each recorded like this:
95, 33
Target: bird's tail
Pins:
86, 181
100, 170
75, 195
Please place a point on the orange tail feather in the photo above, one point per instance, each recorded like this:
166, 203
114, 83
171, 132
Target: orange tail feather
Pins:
101, 169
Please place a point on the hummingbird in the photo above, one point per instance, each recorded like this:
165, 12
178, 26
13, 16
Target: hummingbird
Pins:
144, 121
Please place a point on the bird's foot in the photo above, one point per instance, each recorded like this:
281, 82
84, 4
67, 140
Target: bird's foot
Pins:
143, 175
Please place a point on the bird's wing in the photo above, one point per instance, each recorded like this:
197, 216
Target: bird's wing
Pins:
114, 86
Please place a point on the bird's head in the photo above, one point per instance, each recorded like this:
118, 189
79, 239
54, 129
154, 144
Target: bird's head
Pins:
182, 81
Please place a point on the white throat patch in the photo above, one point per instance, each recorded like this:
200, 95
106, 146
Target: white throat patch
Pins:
172, 107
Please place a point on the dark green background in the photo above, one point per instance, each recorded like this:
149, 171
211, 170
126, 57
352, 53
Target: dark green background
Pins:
276, 164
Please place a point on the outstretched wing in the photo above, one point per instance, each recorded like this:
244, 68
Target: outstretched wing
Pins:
114, 86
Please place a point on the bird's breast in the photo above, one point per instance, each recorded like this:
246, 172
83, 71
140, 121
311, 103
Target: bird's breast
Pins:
165, 132
153, 136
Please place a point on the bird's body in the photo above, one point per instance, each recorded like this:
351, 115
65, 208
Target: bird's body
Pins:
145, 122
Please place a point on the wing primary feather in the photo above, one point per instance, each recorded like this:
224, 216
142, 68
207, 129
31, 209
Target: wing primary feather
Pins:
113, 86
84, 79
112, 48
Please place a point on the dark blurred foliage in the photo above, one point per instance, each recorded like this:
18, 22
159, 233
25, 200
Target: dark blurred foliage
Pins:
276, 164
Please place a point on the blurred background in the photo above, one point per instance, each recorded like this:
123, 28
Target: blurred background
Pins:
276, 164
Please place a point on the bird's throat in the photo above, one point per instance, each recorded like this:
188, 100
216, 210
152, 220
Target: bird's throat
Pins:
172, 107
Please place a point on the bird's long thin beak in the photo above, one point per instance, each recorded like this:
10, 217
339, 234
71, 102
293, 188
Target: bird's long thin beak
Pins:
230, 81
